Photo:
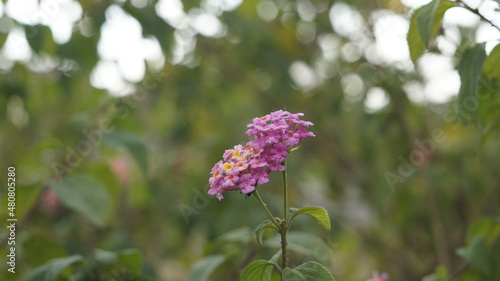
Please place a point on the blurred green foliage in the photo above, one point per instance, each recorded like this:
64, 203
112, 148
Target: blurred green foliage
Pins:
99, 175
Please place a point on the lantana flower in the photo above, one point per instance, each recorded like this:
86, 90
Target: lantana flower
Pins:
241, 169
276, 134
244, 167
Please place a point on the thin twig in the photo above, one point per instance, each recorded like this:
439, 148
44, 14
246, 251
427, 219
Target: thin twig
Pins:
476, 11
460, 271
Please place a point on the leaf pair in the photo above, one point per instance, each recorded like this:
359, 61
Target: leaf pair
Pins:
310, 271
318, 213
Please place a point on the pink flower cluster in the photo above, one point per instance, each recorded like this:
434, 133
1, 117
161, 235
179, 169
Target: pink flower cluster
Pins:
244, 167
276, 133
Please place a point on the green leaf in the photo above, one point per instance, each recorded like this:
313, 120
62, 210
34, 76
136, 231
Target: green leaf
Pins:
489, 130
260, 230
50, 270
40, 38
318, 213
415, 43
477, 253
488, 228
309, 271
258, 270
495, 260
274, 259
38, 249
424, 25
104, 257
85, 195
440, 274
131, 259
430, 17
240, 235
133, 144
202, 269
491, 64
470, 69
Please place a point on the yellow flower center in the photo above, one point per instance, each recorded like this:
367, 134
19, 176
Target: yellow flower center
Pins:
236, 153
228, 166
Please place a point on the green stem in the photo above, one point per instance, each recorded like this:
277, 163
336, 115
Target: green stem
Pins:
285, 194
284, 253
273, 219
284, 225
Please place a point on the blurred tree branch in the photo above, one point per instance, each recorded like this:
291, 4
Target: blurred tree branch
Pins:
476, 11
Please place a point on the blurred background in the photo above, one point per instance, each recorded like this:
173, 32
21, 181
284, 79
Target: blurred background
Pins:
113, 112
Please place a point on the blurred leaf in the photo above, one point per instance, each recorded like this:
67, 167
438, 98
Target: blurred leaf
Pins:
50, 270
38, 250
85, 195
241, 235
133, 143
491, 64
318, 213
430, 17
203, 268
424, 25
309, 271
488, 228
477, 253
260, 230
257, 270
274, 259
415, 43
131, 259
495, 260
26, 197
3, 37
304, 243
440, 275
40, 38
469, 69
490, 129
104, 257
80, 49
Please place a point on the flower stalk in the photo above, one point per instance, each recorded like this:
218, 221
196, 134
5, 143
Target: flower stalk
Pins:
264, 205
284, 224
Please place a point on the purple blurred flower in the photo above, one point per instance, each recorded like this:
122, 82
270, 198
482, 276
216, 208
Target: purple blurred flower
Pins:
377, 277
